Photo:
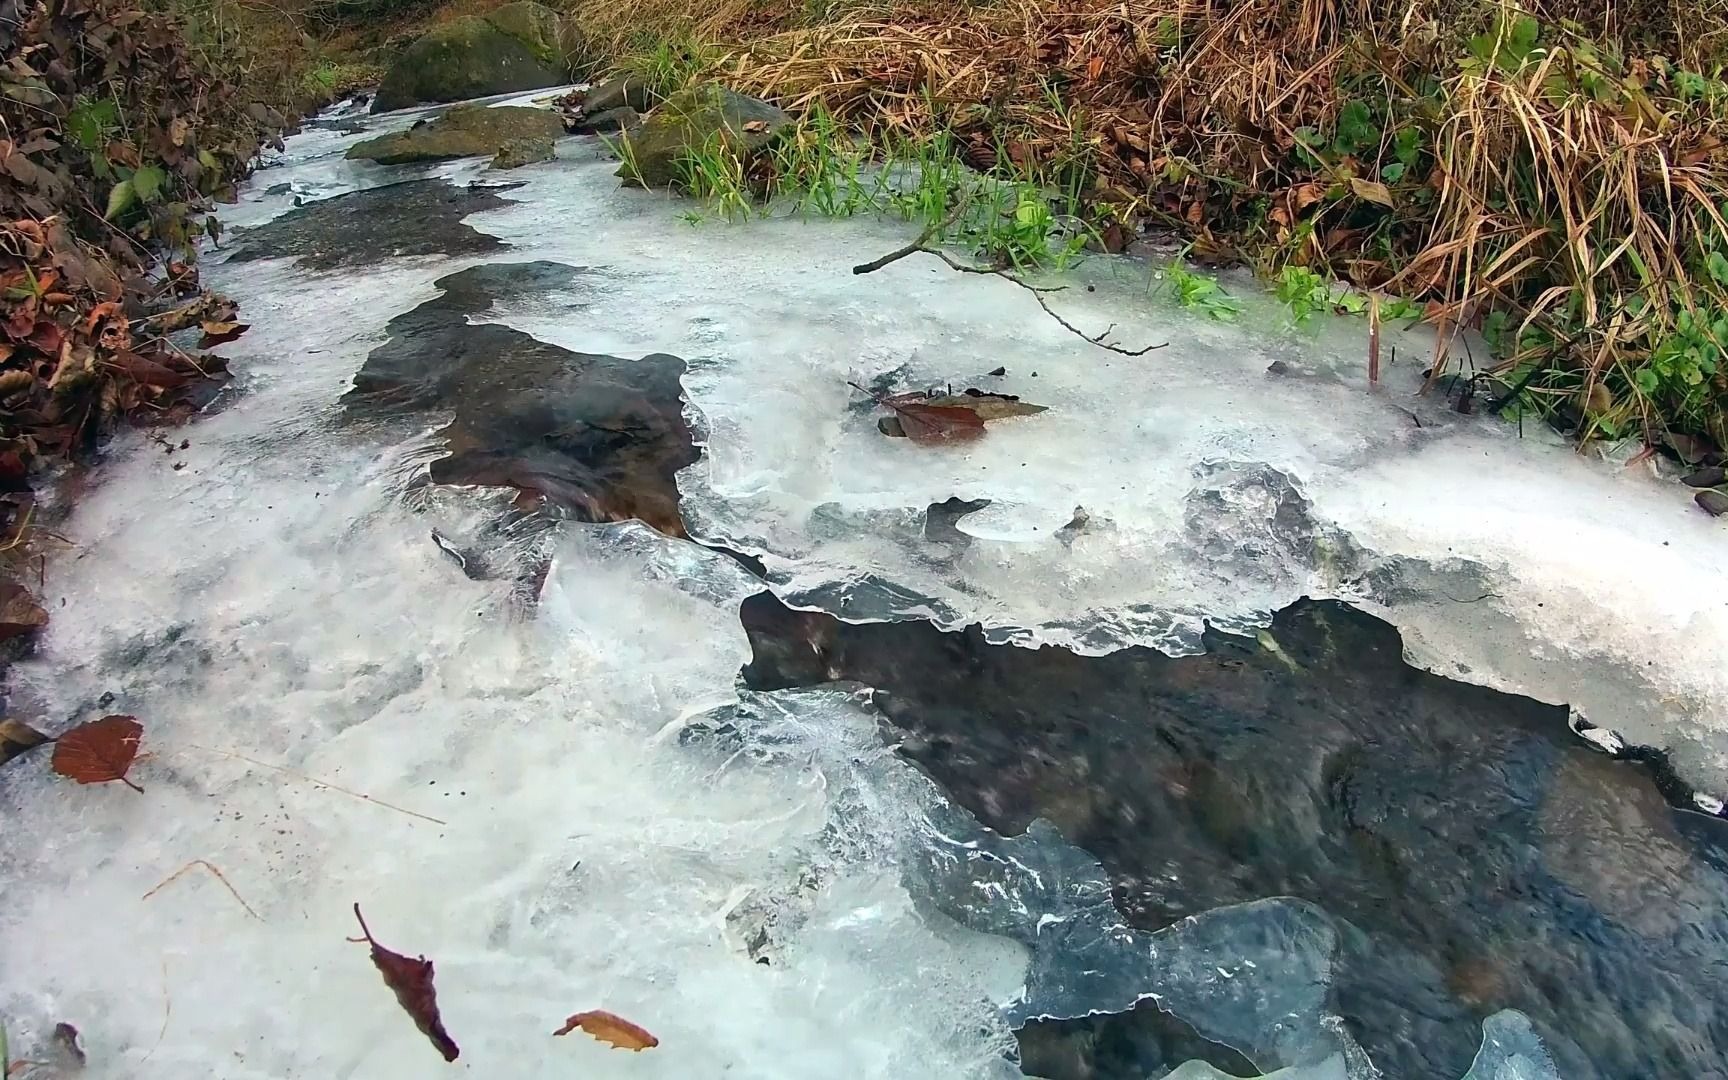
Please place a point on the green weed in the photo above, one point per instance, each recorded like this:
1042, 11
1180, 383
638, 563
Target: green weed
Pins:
1200, 292
666, 65
714, 172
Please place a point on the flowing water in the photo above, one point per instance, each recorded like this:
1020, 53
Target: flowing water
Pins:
859, 758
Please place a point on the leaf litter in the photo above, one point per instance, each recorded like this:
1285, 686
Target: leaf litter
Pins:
410, 980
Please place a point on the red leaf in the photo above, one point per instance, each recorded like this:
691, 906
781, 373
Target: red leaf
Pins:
411, 981
100, 751
220, 333
611, 1028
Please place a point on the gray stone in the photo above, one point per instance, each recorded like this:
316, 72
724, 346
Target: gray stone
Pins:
623, 118
694, 118
616, 93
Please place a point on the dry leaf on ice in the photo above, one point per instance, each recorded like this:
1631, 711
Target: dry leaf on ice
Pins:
411, 981
611, 1028
100, 751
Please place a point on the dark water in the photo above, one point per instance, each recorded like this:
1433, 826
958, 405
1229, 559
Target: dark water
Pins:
1476, 854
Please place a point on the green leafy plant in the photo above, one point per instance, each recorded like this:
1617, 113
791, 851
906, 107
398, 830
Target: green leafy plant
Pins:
1302, 291
1200, 292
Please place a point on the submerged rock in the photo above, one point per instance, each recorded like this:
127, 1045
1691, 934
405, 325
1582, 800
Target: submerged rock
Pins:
1474, 854
519, 152
464, 131
699, 116
520, 46
363, 228
598, 437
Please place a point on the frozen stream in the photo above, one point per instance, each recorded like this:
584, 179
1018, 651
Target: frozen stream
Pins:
527, 750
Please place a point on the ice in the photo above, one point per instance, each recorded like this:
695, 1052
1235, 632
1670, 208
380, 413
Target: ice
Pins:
1242, 466
278, 615
571, 805
1511, 1050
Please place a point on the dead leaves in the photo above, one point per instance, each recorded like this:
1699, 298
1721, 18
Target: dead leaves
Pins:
221, 333
945, 418
610, 1028
100, 751
19, 612
17, 737
411, 981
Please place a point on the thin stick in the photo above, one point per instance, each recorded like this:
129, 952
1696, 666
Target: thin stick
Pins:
1038, 294
930, 232
212, 868
922, 245
167, 1011
362, 796
1373, 341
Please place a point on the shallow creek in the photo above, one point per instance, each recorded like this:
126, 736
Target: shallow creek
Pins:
1228, 718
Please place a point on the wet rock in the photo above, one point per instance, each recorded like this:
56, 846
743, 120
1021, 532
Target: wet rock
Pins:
1707, 477
1715, 503
1145, 1041
694, 117
519, 152
598, 437
463, 131
623, 118
362, 228
1474, 854
618, 92
520, 46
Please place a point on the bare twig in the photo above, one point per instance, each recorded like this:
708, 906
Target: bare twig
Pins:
1036, 291
931, 231
210, 867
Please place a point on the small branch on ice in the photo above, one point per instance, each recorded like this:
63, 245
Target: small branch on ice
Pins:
1036, 291
931, 232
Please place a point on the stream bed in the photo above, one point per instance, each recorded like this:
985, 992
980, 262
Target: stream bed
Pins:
544, 588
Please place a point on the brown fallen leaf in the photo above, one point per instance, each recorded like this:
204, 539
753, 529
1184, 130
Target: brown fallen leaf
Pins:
220, 333
1371, 191
100, 751
929, 424
411, 981
19, 612
17, 737
610, 1028
988, 406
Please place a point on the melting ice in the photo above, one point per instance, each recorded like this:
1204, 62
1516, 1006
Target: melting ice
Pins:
575, 807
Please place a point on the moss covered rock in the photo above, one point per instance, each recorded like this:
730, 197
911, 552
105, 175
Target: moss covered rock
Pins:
520, 46
519, 152
464, 131
697, 118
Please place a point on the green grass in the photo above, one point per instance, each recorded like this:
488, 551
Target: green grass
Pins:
666, 65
